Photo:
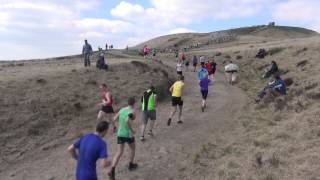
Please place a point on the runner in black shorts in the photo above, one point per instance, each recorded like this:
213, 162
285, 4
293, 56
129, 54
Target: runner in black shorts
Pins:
204, 94
124, 140
176, 89
204, 87
125, 135
177, 101
106, 105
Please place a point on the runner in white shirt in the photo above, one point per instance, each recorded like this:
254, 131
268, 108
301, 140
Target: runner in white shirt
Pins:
179, 67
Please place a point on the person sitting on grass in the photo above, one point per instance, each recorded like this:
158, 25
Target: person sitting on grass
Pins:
101, 64
273, 69
275, 88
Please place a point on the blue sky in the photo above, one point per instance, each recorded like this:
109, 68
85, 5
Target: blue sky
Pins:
39, 29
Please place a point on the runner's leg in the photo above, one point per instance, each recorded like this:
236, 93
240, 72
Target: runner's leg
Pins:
132, 151
180, 113
118, 155
174, 110
101, 114
143, 125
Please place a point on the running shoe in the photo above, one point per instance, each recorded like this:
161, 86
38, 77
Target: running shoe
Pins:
132, 166
169, 122
112, 175
142, 138
180, 122
150, 133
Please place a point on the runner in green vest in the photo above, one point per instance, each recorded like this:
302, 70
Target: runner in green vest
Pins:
148, 107
125, 135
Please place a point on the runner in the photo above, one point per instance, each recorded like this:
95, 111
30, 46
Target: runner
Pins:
145, 51
179, 67
187, 63
204, 87
202, 72
125, 135
209, 69
177, 55
154, 56
86, 52
195, 63
149, 103
214, 67
231, 71
106, 110
183, 56
91, 147
176, 89
202, 59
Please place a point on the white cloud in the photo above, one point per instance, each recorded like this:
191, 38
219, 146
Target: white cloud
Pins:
180, 30
125, 10
306, 12
58, 27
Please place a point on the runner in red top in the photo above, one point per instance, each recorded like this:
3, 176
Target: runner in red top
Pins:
106, 110
209, 68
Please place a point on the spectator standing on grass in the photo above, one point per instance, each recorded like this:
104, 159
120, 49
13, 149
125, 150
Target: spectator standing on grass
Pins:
86, 52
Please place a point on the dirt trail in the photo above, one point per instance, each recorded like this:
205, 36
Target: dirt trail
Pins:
172, 152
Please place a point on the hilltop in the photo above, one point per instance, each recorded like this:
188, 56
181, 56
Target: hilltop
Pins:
255, 33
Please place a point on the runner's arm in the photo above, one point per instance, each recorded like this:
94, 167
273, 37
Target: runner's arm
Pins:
115, 118
155, 101
171, 88
73, 152
129, 125
107, 96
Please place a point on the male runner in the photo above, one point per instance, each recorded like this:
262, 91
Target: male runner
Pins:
125, 135
176, 89
202, 72
88, 149
149, 105
204, 87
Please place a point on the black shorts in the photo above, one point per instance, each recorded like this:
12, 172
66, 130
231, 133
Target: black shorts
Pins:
232, 71
179, 73
195, 64
204, 94
107, 109
177, 101
187, 63
123, 140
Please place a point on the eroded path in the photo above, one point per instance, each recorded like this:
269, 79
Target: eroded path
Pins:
174, 152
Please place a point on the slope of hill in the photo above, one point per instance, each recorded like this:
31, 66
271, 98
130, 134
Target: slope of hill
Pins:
189, 39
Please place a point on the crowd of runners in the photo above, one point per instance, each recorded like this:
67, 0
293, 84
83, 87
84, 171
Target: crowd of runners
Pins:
91, 147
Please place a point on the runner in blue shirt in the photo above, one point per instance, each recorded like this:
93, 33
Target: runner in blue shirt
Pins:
88, 149
204, 87
202, 72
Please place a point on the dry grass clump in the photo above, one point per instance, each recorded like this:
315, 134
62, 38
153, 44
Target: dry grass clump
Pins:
275, 50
